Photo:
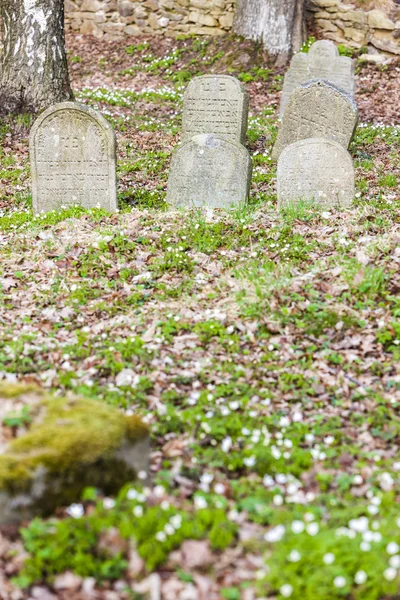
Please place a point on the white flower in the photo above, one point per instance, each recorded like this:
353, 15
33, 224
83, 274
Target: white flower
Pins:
360, 525
219, 488
392, 548
169, 529
226, 444
328, 558
329, 440
390, 574
108, 503
132, 494
138, 511
275, 534
360, 577
200, 502
160, 536
250, 461
284, 421
298, 526
76, 511
286, 590
277, 500
312, 529
339, 582
159, 491
176, 521
394, 561
268, 481
294, 556
386, 481
358, 480
365, 546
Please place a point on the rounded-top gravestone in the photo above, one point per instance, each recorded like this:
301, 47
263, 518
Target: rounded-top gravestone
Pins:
322, 62
317, 109
318, 170
73, 159
215, 104
209, 171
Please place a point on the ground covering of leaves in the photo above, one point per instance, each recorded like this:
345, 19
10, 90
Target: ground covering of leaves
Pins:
262, 349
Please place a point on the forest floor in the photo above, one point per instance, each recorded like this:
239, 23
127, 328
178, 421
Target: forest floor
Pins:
261, 348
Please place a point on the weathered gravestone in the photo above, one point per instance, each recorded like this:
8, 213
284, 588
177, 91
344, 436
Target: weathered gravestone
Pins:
317, 109
73, 158
215, 104
321, 62
316, 169
209, 171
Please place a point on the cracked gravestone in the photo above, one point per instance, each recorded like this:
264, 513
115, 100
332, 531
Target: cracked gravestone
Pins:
317, 109
322, 62
215, 104
73, 159
209, 171
317, 170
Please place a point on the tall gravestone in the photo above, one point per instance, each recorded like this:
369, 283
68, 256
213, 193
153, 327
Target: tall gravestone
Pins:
209, 171
322, 62
73, 158
215, 104
317, 109
315, 169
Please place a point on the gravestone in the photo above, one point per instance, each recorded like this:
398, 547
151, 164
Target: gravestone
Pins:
317, 109
215, 104
315, 169
73, 158
322, 62
209, 171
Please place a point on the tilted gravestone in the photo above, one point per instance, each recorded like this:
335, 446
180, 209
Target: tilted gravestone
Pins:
73, 158
316, 169
321, 62
317, 109
215, 104
209, 171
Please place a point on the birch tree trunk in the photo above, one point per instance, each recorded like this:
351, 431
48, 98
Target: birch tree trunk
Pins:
279, 24
33, 64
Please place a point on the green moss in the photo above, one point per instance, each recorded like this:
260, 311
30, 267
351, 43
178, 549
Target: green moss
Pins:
72, 441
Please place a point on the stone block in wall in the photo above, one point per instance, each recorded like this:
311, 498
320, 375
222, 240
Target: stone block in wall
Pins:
326, 25
90, 28
356, 35
100, 17
70, 7
166, 4
113, 28
226, 20
153, 21
203, 4
132, 30
140, 12
207, 31
388, 45
91, 6
378, 20
151, 4
125, 8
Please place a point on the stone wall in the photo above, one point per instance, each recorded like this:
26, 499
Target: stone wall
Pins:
346, 24
114, 18
336, 20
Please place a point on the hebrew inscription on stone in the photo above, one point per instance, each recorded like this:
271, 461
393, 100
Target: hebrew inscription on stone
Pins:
73, 158
215, 104
317, 109
317, 170
209, 171
321, 62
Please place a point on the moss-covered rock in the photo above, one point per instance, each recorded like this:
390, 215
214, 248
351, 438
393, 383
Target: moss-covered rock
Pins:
71, 444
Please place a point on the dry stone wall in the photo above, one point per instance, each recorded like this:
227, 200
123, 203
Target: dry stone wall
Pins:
114, 18
344, 23
336, 20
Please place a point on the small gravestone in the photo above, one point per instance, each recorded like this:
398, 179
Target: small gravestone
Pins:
317, 109
321, 62
215, 104
73, 158
317, 170
209, 171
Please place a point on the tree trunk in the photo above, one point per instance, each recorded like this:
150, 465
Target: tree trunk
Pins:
279, 24
33, 64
